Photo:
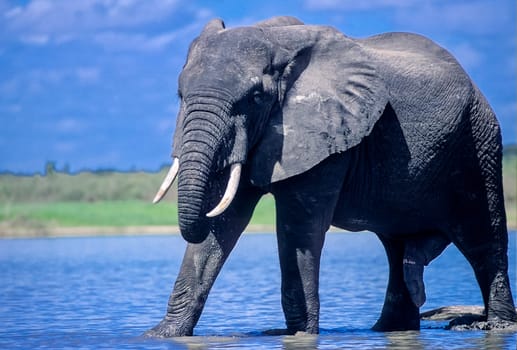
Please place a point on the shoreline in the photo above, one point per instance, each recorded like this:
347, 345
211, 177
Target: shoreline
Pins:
10, 232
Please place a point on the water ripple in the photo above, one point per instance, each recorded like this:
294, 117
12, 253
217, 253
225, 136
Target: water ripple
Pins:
103, 293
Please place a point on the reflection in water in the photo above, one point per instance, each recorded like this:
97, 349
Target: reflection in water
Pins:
302, 342
495, 340
201, 343
410, 340
404, 340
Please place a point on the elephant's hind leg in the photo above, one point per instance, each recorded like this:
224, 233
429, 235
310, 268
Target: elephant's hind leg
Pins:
480, 231
487, 254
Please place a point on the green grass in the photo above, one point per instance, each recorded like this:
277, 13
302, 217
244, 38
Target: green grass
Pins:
113, 213
264, 213
81, 187
109, 213
118, 199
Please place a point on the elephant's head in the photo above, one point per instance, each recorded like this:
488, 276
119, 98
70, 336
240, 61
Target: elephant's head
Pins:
278, 98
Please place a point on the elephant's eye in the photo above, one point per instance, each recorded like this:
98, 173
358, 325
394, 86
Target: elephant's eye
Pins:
257, 97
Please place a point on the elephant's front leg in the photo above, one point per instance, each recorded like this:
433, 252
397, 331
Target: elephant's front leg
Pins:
199, 269
300, 253
305, 207
201, 265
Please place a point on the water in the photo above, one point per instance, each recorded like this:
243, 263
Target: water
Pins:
103, 293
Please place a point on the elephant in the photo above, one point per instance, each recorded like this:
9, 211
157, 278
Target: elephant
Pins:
386, 134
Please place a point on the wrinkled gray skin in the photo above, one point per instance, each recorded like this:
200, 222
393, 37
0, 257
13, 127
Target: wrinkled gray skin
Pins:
386, 134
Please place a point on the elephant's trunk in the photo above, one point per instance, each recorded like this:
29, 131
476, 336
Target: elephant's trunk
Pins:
207, 146
193, 180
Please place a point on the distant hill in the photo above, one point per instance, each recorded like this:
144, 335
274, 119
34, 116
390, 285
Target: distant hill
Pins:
510, 151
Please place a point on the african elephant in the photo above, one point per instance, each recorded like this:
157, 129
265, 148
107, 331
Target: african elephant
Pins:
386, 134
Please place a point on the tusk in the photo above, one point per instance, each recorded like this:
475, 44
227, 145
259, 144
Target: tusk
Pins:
231, 189
167, 182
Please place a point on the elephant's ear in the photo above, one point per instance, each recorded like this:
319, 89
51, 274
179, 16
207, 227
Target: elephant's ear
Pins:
330, 98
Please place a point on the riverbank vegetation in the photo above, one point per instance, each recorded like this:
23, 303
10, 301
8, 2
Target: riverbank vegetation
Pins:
119, 199
510, 183
93, 199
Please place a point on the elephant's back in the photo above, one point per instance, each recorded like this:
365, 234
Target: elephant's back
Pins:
406, 56
430, 95
407, 44
427, 86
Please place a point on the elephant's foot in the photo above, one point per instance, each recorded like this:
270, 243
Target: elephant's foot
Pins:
468, 318
385, 324
500, 303
276, 331
285, 331
167, 329
398, 317
399, 313
470, 323
407, 319
302, 328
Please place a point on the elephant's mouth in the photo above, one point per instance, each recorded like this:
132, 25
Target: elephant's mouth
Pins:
226, 200
229, 193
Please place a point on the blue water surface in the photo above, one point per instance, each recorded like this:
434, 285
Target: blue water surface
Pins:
104, 292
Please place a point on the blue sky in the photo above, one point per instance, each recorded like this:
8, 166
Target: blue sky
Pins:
92, 83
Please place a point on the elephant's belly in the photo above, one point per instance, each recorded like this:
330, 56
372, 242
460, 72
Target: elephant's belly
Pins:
386, 219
